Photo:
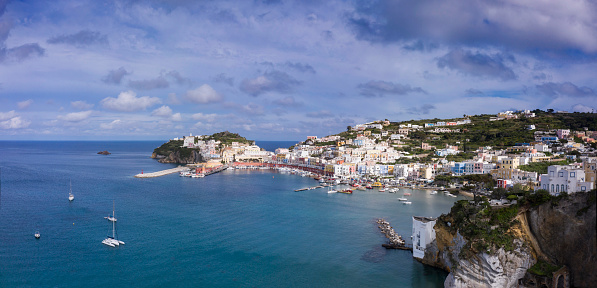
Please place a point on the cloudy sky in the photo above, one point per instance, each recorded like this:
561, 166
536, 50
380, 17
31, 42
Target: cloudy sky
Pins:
282, 70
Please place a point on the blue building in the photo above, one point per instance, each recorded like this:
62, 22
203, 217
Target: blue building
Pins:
458, 168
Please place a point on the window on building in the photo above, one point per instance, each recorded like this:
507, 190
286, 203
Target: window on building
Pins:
561, 174
562, 188
552, 189
551, 173
572, 174
583, 188
557, 188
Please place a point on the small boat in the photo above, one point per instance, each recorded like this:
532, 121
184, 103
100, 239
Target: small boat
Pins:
433, 192
37, 235
346, 191
392, 191
406, 194
199, 175
450, 194
402, 199
113, 217
382, 190
369, 187
407, 203
71, 197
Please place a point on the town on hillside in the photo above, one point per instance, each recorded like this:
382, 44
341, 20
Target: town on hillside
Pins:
527, 150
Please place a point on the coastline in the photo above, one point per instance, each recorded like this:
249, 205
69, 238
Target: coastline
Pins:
467, 194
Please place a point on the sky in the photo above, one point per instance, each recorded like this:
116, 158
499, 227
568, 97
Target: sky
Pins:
284, 70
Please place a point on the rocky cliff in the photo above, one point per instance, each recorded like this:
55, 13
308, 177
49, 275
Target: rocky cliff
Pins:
179, 157
566, 235
560, 231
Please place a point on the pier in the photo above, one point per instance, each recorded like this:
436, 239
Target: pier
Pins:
395, 241
161, 173
311, 188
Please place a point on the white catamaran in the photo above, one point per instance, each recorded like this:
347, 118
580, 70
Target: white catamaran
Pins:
112, 241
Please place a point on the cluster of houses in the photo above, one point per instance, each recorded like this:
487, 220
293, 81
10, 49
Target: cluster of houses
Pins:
212, 150
375, 151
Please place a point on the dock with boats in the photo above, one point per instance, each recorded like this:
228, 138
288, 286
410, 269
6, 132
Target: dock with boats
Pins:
161, 173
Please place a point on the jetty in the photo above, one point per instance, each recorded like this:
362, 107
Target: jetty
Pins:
161, 173
395, 241
311, 188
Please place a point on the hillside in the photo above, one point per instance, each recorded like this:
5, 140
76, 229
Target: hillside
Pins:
483, 132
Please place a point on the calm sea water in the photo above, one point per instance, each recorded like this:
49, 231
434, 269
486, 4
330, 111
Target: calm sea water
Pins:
232, 229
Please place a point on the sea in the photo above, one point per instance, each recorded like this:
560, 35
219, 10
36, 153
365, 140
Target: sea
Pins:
231, 229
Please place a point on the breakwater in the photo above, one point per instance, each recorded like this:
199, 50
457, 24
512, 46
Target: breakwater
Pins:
395, 241
161, 173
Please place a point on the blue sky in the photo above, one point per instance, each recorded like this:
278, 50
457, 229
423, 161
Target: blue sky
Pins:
282, 70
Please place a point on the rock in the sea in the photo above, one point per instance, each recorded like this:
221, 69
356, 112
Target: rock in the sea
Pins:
104, 152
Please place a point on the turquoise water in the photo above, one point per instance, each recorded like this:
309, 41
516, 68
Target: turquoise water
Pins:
231, 229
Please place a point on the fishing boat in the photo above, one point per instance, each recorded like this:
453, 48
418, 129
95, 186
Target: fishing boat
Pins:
407, 203
112, 241
402, 199
71, 197
37, 235
346, 191
406, 194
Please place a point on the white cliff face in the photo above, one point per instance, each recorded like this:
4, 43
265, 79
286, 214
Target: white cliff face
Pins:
503, 269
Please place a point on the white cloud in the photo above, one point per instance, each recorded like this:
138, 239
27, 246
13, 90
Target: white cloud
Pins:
75, 116
7, 115
176, 117
111, 125
81, 105
128, 102
582, 108
14, 123
204, 95
204, 117
24, 104
163, 111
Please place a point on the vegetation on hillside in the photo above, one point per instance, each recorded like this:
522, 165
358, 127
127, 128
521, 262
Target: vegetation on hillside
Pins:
541, 167
172, 146
481, 132
226, 138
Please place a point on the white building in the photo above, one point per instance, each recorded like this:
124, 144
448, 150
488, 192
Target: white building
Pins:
423, 234
568, 179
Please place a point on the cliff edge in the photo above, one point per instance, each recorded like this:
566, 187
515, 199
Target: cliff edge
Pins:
487, 246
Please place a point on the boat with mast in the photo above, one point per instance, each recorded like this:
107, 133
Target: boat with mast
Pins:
71, 197
113, 241
113, 216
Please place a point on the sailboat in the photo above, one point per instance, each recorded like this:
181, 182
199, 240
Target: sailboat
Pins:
71, 197
331, 190
112, 241
113, 216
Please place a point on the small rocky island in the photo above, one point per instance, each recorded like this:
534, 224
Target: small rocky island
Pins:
105, 152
